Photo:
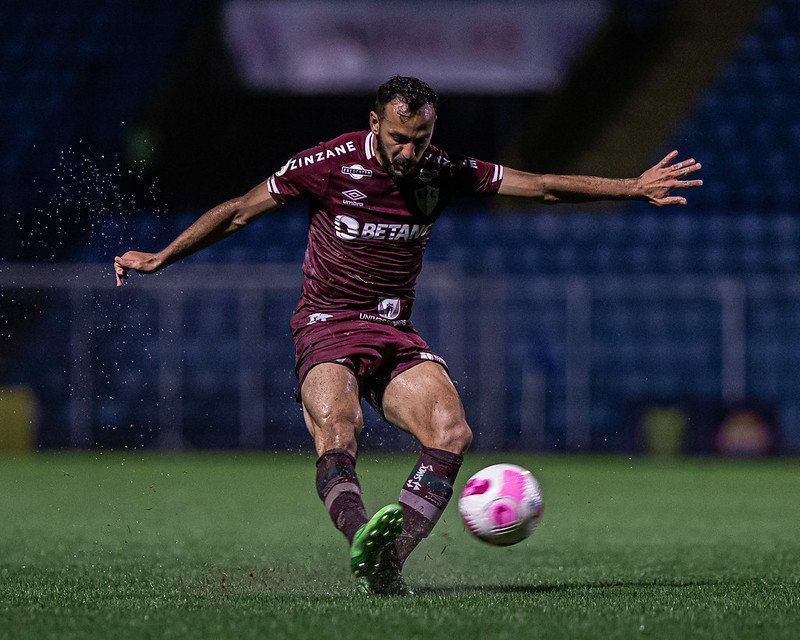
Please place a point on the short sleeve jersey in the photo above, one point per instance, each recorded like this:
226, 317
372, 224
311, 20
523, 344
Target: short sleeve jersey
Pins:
367, 233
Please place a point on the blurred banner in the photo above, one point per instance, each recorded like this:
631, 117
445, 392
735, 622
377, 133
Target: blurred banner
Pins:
705, 426
323, 46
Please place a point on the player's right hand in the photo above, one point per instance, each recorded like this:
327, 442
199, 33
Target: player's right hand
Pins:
137, 261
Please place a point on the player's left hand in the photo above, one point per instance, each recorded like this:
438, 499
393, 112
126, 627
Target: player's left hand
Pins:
655, 184
138, 261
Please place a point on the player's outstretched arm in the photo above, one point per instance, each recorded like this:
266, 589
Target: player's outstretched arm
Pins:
653, 186
214, 225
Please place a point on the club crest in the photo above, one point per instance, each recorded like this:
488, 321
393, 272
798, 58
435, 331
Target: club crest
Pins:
427, 198
389, 308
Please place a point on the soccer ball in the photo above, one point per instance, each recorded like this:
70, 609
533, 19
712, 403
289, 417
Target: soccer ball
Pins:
501, 504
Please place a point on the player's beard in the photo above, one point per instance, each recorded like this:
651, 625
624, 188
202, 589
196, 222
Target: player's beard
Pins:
390, 166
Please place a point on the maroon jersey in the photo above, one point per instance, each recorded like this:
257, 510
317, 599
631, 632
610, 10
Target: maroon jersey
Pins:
367, 233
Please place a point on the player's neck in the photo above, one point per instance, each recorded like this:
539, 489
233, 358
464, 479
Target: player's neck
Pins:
375, 153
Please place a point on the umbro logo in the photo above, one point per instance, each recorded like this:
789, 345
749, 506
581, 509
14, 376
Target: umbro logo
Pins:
352, 197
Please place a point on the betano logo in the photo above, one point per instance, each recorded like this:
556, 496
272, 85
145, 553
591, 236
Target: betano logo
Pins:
348, 228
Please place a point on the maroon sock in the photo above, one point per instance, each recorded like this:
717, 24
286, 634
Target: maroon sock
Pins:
425, 495
337, 486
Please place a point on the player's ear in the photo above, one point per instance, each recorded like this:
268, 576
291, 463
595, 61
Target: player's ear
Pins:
374, 122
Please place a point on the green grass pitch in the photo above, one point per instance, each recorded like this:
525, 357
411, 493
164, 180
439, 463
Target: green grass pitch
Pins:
101, 545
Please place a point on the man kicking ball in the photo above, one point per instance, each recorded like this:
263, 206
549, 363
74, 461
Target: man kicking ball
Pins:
374, 196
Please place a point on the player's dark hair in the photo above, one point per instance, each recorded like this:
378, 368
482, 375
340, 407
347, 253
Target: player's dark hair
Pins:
413, 91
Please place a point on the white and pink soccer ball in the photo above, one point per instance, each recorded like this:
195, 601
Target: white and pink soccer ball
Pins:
501, 504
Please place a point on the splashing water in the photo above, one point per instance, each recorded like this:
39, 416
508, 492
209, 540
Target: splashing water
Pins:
91, 202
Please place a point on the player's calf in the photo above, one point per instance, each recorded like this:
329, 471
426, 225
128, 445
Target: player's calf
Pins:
423, 401
425, 495
340, 492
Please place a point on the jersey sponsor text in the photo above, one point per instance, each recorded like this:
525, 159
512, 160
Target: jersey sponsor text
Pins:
356, 172
348, 228
319, 156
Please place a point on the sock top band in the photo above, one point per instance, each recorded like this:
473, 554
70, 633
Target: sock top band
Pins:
336, 452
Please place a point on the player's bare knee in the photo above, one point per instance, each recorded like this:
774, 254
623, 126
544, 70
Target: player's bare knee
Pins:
453, 435
337, 429
338, 423
337, 435
462, 438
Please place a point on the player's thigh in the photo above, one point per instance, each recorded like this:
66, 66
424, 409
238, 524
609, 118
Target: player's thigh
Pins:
331, 405
423, 401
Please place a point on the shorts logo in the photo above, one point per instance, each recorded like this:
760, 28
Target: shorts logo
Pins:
370, 317
318, 317
389, 308
356, 171
354, 194
345, 227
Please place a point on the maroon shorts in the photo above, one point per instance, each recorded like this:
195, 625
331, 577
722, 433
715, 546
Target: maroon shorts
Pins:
376, 352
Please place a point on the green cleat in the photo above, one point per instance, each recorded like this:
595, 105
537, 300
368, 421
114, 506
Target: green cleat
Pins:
372, 558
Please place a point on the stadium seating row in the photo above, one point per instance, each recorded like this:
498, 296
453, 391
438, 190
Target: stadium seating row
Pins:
745, 127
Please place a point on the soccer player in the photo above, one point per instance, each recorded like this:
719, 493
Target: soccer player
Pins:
374, 196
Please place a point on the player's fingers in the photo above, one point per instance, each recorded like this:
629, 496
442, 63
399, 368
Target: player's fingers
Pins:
120, 271
684, 184
683, 163
695, 167
682, 168
668, 158
665, 202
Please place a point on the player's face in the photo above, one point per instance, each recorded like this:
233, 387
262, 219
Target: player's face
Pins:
402, 137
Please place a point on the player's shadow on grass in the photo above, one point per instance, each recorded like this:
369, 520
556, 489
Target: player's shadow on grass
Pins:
555, 588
